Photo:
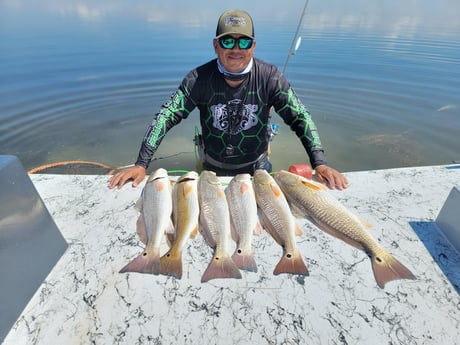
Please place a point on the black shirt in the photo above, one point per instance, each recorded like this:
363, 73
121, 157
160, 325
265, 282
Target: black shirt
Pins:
234, 121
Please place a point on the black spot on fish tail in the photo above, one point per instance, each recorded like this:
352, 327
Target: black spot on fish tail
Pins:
291, 263
221, 267
146, 262
244, 261
171, 265
386, 268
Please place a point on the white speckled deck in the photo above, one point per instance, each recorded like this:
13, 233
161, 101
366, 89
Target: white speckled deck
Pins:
85, 300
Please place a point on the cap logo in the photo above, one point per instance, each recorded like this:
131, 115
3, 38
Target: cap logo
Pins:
235, 21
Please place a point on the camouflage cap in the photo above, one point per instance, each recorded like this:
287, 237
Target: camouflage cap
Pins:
235, 22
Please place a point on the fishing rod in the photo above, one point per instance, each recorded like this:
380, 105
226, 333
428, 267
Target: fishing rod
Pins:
297, 39
274, 128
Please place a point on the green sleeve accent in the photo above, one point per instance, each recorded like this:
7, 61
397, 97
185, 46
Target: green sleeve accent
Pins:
298, 118
170, 114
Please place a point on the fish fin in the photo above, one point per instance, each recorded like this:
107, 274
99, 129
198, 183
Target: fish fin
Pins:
147, 262
297, 211
141, 230
221, 194
273, 233
206, 234
170, 239
138, 205
187, 190
276, 190
194, 232
291, 263
337, 234
261, 219
244, 187
160, 185
313, 185
298, 230
171, 264
258, 229
365, 223
244, 261
221, 267
387, 268
233, 232
170, 229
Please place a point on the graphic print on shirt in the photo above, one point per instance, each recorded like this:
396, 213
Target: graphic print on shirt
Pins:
234, 117
158, 130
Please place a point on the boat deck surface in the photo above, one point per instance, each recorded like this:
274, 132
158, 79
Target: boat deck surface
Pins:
85, 300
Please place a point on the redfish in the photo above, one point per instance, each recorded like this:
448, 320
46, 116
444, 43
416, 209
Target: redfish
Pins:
185, 217
155, 206
279, 222
244, 221
313, 199
215, 225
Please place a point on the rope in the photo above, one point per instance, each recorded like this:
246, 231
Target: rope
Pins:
40, 168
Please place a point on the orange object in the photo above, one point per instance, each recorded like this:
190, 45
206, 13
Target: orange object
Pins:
303, 170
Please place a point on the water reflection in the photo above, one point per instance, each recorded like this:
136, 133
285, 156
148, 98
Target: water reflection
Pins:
82, 79
393, 16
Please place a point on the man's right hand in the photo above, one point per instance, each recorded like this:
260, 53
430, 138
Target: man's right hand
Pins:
135, 173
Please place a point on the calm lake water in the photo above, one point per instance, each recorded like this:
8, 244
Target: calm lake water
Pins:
81, 80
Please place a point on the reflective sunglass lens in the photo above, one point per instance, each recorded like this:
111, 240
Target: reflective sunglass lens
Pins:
245, 43
229, 42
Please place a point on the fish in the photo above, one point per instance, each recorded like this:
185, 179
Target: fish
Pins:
214, 223
155, 206
185, 218
244, 222
279, 222
313, 200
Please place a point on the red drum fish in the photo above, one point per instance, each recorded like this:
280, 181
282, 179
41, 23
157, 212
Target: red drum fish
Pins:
155, 206
215, 225
185, 217
242, 205
313, 199
279, 222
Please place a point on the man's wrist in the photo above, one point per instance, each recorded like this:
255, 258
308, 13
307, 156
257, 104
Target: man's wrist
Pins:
141, 165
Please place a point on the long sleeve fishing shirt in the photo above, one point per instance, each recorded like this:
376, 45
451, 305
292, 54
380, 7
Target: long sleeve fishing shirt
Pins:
234, 117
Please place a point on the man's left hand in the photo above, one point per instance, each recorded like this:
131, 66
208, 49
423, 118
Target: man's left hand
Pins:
331, 177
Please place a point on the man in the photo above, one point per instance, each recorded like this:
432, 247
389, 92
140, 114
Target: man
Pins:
234, 94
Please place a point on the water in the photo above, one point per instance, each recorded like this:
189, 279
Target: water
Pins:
82, 80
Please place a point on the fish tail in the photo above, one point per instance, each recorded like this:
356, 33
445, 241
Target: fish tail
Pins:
171, 264
147, 262
387, 268
221, 267
291, 262
244, 261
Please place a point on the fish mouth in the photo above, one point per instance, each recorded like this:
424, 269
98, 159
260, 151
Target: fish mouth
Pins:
187, 179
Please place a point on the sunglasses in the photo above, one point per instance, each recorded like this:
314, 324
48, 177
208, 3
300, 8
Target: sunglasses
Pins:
229, 42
